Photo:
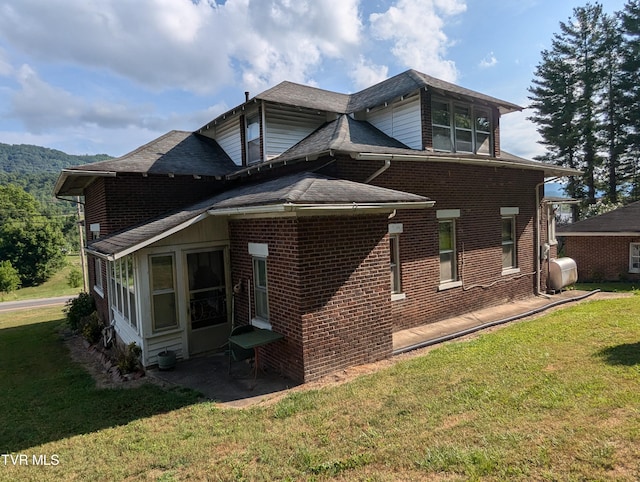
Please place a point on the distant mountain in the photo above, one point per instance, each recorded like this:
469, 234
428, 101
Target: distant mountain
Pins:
25, 158
36, 169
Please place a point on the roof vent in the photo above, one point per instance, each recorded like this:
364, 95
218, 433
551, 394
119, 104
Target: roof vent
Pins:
246, 96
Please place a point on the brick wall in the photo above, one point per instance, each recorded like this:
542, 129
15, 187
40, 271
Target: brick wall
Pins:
601, 258
479, 193
328, 290
128, 199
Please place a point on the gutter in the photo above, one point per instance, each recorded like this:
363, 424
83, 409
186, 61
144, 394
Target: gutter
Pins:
387, 164
313, 208
370, 156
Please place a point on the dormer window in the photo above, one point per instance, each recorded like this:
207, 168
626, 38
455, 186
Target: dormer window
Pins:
253, 139
460, 127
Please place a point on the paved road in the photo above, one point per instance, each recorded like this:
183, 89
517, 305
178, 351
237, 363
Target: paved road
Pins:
38, 303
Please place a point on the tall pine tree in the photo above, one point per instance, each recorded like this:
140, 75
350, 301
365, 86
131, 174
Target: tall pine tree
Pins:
630, 87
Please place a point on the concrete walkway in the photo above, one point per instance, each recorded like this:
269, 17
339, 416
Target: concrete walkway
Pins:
433, 333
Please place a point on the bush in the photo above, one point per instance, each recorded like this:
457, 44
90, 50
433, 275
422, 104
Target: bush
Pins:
78, 308
91, 328
9, 278
74, 278
129, 358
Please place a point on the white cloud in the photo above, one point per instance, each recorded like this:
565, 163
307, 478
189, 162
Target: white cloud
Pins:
489, 61
365, 73
165, 44
519, 136
416, 29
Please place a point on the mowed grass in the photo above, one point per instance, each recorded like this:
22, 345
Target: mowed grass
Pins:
56, 286
553, 398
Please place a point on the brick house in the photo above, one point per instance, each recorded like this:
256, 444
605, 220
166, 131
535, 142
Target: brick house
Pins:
606, 247
332, 219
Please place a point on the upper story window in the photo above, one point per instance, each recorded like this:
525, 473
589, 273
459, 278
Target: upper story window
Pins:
460, 127
253, 138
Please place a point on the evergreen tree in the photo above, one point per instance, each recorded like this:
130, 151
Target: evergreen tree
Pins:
612, 108
630, 88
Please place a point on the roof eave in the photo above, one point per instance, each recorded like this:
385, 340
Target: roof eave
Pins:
312, 208
67, 173
549, 171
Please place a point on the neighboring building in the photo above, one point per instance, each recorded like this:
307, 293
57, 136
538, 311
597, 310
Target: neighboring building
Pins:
606, 247
332, 219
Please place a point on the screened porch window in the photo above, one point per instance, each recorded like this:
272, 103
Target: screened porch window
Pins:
163, 292
123, 290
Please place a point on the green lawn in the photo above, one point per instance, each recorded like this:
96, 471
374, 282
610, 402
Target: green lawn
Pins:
553, 398
56, 286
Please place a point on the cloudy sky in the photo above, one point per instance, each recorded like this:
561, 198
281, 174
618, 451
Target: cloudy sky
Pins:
105, 76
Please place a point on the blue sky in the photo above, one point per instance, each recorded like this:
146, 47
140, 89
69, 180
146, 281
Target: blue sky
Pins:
107, 76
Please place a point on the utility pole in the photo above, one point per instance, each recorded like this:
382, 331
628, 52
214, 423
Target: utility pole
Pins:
83, 260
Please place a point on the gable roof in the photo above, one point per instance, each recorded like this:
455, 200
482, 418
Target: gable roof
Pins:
624, 221
400, 85
176, 152
305, 191
412, 80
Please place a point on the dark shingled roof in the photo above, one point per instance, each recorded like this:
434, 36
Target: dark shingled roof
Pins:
176, 152
344, 135
290, 93
296, 189
622, 220
400, 85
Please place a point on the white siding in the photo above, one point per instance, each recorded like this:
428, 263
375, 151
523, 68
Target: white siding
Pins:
400, 120
228, 136
286, 126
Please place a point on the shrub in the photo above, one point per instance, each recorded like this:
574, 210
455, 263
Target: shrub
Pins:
91, 327
129, 358
9, 277
78, 308
74, 278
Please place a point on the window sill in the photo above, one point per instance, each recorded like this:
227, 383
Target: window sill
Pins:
259, 323
168, 331
449, 285
98, 290
398, 296
507, 272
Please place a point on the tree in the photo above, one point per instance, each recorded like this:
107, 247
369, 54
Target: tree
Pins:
34, 247
630, 87
9, 278
29, 241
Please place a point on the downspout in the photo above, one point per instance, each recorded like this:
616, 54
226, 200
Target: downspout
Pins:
538, 237
387, 164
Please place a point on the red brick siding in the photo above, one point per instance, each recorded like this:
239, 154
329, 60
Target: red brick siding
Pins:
328, 290
128, 199
283, 287
601, 257
479, 193
345, 292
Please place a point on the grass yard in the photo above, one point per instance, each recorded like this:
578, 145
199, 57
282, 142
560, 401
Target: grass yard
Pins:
56, 286
553, 398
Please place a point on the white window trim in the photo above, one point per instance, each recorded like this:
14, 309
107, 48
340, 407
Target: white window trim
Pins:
173, 290
510, 213
551, 225
98, 286
259, 251
453, 283
474, 132
631, 269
